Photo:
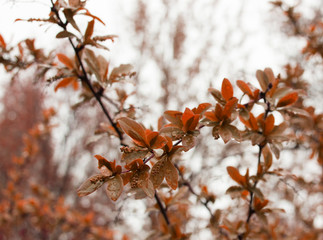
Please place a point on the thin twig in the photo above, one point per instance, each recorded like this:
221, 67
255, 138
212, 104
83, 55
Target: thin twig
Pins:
162, 208
84, 76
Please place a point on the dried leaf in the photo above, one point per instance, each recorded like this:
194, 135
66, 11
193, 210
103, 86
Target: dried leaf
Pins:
130, 156
262, 79
157, 173
114, 187
188, 141
171, 174
89, 30
91, 184
120, 72
65, 34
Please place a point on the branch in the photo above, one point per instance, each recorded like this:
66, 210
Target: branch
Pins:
190, 188
84, 78
162, 208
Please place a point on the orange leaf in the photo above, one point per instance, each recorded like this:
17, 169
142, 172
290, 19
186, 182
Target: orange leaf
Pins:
65, 60
154, 140
288, 99
235, 175
65, 82
133, 130
244, 88
211, 116
201, 108
2, 42
174, 117
114, 187
226, 90
190, 120
269, 124
253, 122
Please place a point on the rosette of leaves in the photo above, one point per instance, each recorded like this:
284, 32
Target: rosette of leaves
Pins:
224, 113
184, 126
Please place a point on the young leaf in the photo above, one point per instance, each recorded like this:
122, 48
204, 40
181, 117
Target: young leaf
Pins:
236, 176
64, 34
262, 79
227, 89
65, 60
91, 184
114, 187
89, 30
65, 82
133, 130
244, 88
288, 99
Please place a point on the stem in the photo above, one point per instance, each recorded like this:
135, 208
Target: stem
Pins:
162, 208
190, 188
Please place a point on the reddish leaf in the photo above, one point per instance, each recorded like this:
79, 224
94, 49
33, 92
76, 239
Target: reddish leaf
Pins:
190, 120
114, 187
269, 124
245, 88
227, 89
65, 82
288, 99
133, 130
229, 107
91, 184
65, 60
174, 117
201, 108
154, 140
211, 116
